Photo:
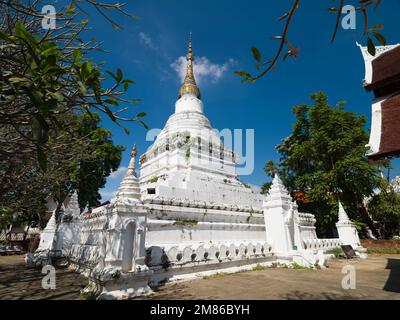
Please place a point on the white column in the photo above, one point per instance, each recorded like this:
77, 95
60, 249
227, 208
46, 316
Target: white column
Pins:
346, 229
277, 215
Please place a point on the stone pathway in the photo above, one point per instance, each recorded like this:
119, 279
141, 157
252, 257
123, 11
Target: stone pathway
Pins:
378, 277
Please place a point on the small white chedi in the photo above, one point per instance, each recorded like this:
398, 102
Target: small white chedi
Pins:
189, 215
57, 238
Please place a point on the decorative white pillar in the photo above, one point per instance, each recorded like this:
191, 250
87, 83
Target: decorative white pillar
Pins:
127, 208
278, 216
347, 231
48, 234
69, 229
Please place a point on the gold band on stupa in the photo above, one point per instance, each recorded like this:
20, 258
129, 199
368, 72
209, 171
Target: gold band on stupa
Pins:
189, 84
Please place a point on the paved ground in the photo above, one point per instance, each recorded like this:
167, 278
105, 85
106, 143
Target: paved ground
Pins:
377, 278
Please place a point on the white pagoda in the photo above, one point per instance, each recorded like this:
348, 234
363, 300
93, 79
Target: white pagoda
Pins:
188, 214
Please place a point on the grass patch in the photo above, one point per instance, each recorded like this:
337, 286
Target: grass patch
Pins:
214, 276
116, 274
297, 266
88, 295
153, 180
337, 252
185, 223
187, 138
259, 267
383, 250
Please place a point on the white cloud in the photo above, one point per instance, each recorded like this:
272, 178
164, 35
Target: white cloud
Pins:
118, 173
147, 40
255, 188
107, 195
203, 68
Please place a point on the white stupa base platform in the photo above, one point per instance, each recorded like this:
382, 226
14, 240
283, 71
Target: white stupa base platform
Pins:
130, 285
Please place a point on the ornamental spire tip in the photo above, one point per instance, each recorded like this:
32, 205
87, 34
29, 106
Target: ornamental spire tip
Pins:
189, 85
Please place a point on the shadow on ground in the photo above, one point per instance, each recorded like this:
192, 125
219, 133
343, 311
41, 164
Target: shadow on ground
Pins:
393, 282
17, 282
378, 277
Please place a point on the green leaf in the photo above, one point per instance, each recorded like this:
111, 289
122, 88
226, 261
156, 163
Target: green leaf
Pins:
58, 96
111, 102
18, 79
49, 51
70, 10
380, 38
4, 36
119, 75
242, 73
144, 125
21, 32
112, 75
141, 114
256, 54
77, 54
42, 159
82, 87
377, 27
371, 47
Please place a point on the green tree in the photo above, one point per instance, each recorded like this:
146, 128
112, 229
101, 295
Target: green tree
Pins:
80, 160
324, 158
385, 207
51, 95
48, 73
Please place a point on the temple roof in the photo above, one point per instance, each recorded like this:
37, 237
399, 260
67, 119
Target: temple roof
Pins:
385, 69
382, 71
387, 129
382, 76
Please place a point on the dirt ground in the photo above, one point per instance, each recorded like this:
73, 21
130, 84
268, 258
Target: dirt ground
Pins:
17, 282
378, 277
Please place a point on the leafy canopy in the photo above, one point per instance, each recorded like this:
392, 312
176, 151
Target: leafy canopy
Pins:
324, 158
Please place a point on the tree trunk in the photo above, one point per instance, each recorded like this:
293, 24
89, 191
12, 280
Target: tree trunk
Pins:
367, 219
26, 232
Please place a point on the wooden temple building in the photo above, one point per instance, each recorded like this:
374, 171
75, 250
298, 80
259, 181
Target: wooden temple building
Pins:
382, 77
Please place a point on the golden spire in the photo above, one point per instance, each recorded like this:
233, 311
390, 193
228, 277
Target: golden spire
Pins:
189, 84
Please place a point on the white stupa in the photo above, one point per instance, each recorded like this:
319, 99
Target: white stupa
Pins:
188, 214
188, 160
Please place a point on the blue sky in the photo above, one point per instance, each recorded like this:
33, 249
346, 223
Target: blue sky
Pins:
223, 33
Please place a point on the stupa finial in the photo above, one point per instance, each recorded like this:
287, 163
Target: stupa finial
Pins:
131, 167
343, 217
190, 48
189, 83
